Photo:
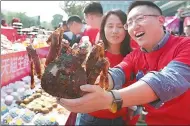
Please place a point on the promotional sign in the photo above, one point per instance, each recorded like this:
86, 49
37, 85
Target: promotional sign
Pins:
172, 23
15, 66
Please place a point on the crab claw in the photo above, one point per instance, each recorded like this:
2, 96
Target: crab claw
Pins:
97, 52
33, 56
55, 47
97, 65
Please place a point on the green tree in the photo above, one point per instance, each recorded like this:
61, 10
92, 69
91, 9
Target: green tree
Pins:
2, 15
57, 18
73, 7
25, 20
46, 25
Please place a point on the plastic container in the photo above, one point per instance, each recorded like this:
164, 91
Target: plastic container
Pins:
86, 41
9, 100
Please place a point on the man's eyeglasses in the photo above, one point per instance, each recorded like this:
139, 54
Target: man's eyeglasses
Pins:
138, 19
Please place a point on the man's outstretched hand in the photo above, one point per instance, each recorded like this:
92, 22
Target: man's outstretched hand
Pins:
96, 99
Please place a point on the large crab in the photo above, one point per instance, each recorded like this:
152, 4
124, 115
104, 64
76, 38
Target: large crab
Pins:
67, 68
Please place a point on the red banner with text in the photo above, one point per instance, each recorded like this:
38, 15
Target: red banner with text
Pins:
15, 66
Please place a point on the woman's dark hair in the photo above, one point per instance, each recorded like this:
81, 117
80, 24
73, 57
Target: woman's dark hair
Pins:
125, 45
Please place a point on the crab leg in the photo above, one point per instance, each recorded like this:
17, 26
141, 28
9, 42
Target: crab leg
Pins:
55, 47
104, 75
32, 86
96, 54
34, 63
36, 60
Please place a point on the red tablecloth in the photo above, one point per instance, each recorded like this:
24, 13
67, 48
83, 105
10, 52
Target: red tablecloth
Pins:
10, 33
42, 52
21, 38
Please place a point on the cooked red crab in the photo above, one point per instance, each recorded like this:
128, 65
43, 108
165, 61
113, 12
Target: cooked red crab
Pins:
67, 68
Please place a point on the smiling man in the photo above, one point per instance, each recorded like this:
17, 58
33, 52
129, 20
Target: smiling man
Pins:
161, 66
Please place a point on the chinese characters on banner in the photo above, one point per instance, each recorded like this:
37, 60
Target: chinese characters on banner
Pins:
14, 66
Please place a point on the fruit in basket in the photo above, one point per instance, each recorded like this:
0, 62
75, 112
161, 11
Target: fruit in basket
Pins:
67, 68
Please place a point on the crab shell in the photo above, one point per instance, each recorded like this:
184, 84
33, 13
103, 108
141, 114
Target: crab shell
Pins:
67, 68
64, 76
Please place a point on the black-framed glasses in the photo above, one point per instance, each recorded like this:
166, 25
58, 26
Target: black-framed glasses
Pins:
138, 19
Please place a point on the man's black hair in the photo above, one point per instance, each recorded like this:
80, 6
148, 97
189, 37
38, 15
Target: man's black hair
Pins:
64, 23
94, 8
147, 3
73, 18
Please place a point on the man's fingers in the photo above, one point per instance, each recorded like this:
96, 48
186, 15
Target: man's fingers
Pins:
71, 102
89, 88
75, 105
84, 99
77, 101
69, 108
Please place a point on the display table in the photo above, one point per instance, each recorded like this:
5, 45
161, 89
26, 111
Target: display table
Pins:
36, 107
15, 66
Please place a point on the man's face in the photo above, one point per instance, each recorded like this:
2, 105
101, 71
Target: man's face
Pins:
144, 25
88, 19
78, 27
187, 31
75, 27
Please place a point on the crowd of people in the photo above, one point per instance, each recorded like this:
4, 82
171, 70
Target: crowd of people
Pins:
75, 28
14, 20
149, 68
